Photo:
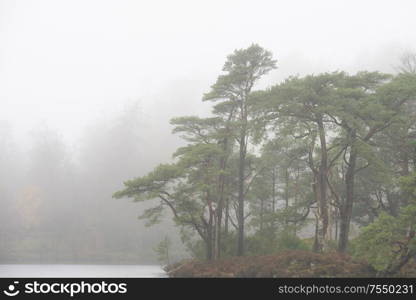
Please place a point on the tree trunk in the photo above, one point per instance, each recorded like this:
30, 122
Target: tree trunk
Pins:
221, 188
241, 167
316, 246
336, 223
274, 191
227, 212
322, 201
261, 214
219, 210
209, 244
346, 206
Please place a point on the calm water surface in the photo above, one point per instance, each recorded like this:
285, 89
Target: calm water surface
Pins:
81, 271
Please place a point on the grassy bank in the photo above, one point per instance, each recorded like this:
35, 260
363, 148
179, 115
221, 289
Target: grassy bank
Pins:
285, 264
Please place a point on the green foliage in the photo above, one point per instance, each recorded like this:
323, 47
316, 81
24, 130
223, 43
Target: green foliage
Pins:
162, 250
242, 69
376, 241
288, 241
408, 184
333, 141
269, 241
261, 243
387, 241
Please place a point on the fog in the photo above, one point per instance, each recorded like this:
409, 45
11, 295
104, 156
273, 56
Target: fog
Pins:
87, 89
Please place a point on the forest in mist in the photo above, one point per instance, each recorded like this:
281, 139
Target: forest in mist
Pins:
329, 151
136, 132
56, 200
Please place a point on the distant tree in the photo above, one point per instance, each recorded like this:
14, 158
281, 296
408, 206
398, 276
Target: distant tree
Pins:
323, 143
368, 106
188, 187
242, 70
407, 62
280, 196
337, 117
299, 109
162, 250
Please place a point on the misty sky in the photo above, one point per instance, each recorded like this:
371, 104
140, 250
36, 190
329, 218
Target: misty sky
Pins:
68, 63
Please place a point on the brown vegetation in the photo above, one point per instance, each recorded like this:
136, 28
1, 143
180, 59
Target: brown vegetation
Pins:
285, 264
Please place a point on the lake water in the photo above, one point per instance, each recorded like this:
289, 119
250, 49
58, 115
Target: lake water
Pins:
120, 271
